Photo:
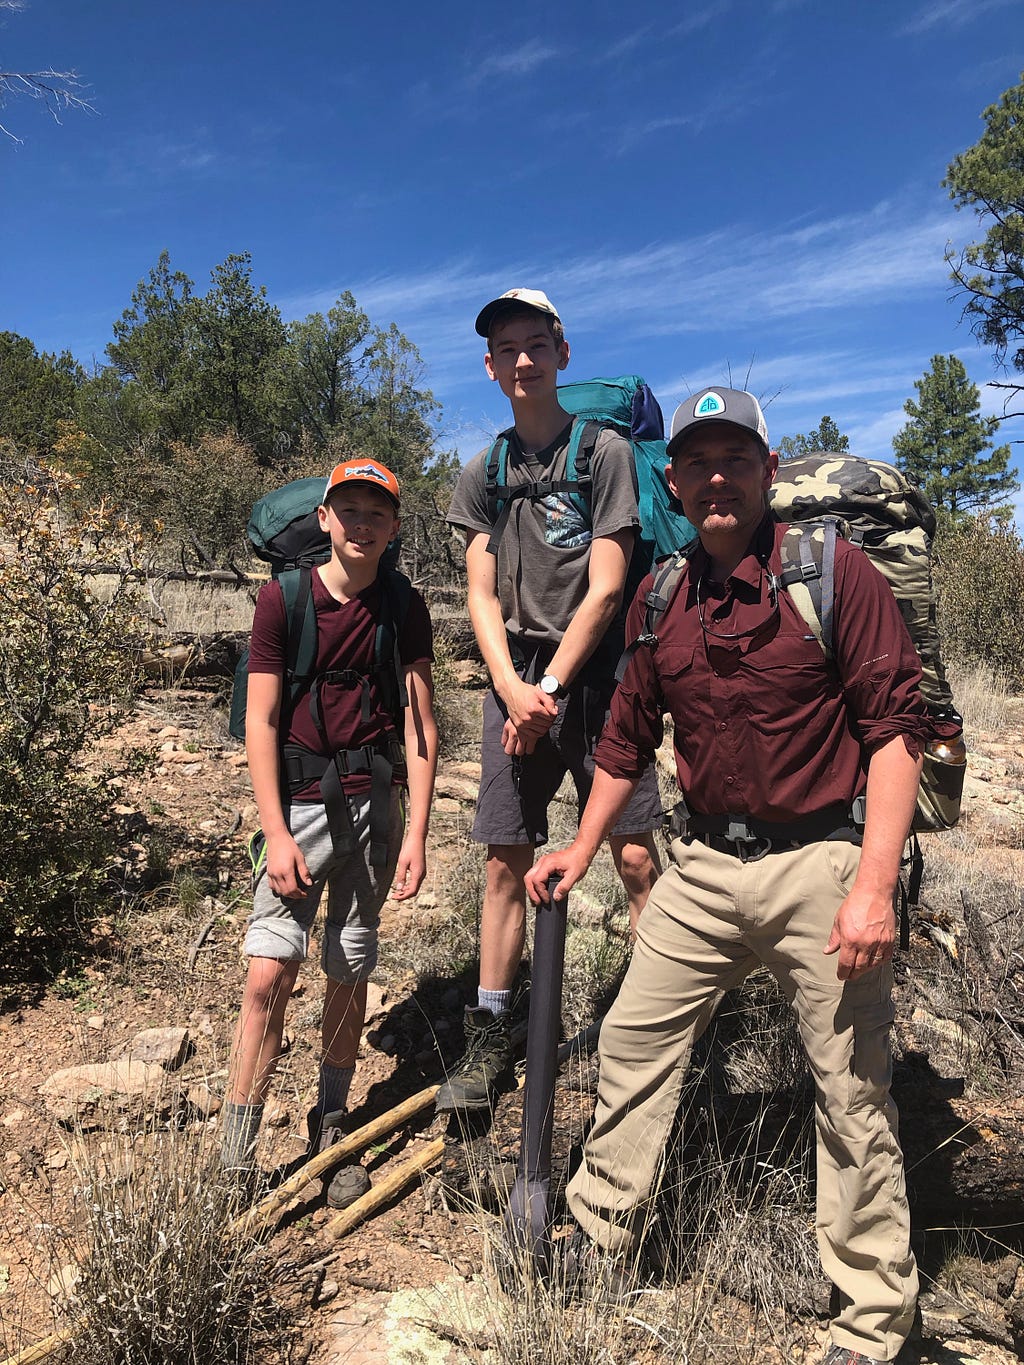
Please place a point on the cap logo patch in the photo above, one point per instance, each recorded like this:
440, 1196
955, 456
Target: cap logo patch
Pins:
366, 471
709, 406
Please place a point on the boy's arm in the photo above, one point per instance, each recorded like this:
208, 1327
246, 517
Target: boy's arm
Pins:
609, 561
530, 710
287, 872
421, 758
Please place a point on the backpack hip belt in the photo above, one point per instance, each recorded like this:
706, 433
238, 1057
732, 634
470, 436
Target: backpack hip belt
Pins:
382, 761
749, 839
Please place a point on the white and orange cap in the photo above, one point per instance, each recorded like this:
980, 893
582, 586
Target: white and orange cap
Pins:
370, 472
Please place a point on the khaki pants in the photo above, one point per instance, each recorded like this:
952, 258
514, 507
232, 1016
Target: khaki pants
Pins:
710, 920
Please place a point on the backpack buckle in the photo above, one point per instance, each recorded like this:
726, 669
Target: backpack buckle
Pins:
648, 638
748, 846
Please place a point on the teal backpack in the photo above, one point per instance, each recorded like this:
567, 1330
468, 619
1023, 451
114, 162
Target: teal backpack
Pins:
628, 405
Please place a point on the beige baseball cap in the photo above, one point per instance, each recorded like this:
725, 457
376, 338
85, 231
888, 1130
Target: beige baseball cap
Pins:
525, 298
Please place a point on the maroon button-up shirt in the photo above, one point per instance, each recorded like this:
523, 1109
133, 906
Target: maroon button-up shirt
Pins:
763, 725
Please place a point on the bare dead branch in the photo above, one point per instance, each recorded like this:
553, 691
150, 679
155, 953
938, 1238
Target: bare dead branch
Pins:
57, 90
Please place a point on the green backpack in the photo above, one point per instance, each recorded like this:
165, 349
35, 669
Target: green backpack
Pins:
285, 531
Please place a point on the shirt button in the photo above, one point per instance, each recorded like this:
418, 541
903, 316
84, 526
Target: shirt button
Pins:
729, 781
723, 725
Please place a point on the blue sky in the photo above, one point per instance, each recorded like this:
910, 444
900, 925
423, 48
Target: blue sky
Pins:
738, 188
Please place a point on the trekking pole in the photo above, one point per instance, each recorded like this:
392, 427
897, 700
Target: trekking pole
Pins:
528, 1217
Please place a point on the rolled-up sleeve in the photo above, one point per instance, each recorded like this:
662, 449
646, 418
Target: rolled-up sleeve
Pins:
877, 662
635, 725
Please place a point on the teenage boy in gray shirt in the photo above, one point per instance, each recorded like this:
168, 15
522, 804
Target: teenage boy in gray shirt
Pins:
547, 610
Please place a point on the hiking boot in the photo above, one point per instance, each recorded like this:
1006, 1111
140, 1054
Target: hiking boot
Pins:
585, 1270
485, 1070
842, 1355
346, 1183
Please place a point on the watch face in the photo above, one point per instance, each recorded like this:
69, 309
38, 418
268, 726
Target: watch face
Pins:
549, 684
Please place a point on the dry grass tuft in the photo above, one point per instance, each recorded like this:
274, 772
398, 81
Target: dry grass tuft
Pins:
163, 1279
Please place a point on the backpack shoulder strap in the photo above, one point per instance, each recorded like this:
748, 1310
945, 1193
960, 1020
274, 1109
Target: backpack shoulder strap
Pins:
495, 473
808, 553
300, 615
578, 457
395, 593
667, 577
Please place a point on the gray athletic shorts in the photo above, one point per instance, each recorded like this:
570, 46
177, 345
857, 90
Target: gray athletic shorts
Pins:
355, 893
515, 793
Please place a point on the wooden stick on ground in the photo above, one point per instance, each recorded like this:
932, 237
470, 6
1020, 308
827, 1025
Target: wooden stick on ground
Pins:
43, 1348
384, 1190
264, 1215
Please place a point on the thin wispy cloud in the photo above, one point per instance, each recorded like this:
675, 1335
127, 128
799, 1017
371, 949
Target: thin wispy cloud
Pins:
735, 282
519, 61
698, 19
949, 14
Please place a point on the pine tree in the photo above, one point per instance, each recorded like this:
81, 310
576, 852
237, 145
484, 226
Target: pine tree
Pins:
941, 449
825, 436
989, 178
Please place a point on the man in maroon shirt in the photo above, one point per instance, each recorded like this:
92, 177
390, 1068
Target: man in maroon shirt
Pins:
778, 756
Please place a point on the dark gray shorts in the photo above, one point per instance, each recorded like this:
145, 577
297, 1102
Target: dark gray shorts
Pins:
515, 793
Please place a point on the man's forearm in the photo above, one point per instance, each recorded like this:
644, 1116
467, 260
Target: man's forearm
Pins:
261, 745
609, 797
893, 778
492, 638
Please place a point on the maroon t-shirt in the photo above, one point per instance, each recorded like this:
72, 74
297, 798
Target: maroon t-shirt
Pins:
345, 640
762, 725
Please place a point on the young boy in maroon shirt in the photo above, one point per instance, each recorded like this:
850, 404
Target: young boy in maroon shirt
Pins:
337, 729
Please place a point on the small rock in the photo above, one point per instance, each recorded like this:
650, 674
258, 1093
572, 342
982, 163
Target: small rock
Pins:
14, 1117
375, 998
167, 1047
202, 1099
276, 1114
469, 674
169, 732
13, 1158
89, 1095
328, 1290
62, 1283
96, 1021
56, 1161
237, 761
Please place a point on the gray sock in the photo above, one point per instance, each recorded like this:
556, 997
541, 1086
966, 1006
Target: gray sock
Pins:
495, 1001
240, 1126
332, 1092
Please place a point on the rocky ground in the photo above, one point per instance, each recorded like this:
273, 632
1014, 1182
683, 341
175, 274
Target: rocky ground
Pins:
151, 1006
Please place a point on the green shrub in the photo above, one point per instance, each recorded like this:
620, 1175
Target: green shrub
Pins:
69, 666
979, 573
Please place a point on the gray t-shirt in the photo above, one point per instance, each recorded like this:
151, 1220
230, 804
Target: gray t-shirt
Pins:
544, 555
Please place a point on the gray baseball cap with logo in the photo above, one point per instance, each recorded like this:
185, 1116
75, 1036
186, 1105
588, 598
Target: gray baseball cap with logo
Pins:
735, 406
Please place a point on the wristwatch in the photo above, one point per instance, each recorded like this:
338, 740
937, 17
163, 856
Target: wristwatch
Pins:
550, 684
